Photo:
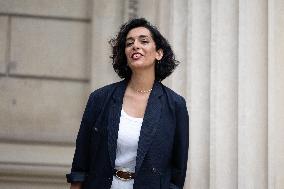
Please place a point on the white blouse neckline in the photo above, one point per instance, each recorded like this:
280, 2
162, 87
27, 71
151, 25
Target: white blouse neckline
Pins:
131, 118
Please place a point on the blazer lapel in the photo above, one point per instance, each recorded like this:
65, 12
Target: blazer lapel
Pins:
150, 123
113, 120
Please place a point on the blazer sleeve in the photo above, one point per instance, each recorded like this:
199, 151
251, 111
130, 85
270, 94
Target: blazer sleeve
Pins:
80, 165
180, 148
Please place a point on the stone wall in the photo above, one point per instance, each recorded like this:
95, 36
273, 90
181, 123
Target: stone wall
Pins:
44, 85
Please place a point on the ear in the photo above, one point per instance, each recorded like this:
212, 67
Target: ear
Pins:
159, 54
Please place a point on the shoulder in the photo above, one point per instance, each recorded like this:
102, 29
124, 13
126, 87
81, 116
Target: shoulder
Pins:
177, 103
100, 96
173, 96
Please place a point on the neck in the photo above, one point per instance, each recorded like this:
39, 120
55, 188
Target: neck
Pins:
142, 81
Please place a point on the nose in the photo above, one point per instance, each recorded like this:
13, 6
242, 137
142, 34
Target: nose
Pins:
136, 45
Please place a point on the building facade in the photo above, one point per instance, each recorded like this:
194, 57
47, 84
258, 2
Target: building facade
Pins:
54, 53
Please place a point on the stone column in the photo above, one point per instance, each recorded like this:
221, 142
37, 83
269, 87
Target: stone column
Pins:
276, 94
199, 93
178, 39
224, 95
252, 95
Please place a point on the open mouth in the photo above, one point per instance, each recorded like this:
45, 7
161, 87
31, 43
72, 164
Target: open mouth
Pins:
136, 55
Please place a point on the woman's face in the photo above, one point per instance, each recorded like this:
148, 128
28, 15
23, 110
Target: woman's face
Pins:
140, 49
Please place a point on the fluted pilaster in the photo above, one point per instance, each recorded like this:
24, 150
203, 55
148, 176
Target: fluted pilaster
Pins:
224, 95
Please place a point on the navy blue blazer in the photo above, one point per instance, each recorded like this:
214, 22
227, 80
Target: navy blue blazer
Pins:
162, 153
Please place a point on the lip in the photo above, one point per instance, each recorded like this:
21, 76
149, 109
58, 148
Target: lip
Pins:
132, 56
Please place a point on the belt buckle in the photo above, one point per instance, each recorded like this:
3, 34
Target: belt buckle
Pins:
123, 171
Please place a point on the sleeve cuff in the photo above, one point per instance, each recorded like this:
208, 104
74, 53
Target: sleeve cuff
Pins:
76, 177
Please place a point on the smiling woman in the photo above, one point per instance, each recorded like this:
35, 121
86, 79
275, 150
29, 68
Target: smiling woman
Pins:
134, 133
163, 67
141, 50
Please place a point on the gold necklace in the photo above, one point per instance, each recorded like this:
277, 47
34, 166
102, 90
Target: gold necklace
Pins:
141, 91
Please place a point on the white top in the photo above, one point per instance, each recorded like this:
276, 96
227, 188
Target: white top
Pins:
126, 151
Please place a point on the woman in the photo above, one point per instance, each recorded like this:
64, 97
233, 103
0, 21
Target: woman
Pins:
134, 133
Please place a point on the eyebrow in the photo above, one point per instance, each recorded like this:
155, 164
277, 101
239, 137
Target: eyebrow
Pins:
140, 36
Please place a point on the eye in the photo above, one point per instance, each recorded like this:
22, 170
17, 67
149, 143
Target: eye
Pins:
129, 44
145, 41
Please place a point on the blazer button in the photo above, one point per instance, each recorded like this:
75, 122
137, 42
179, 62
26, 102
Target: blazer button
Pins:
96, 129
154, 170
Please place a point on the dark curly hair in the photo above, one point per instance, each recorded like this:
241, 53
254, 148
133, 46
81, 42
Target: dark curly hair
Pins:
119, 62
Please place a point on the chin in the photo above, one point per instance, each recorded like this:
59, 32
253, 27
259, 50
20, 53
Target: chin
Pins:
140, 65
137, 64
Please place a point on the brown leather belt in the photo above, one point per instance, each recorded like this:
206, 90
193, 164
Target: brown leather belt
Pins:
124, 175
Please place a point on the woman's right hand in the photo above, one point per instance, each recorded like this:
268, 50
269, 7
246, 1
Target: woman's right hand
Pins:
76, 185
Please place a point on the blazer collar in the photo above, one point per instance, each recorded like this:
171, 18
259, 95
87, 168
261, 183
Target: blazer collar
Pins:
149, 125
114, 119
119, 91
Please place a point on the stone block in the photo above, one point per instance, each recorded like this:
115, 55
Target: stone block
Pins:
41, 110
55, 8
37, 165
3, 42
31, 160
34, 163
33, 153
23, 184
52, 48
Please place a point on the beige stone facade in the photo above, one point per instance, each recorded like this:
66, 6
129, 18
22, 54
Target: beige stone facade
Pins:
44, 84
54, 53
